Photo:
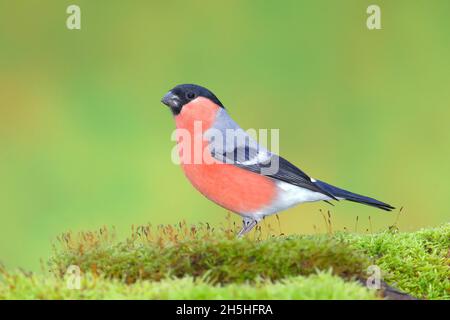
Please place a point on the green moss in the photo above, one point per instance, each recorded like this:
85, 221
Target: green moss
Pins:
220, 258
417, 263
317, 286
200, 262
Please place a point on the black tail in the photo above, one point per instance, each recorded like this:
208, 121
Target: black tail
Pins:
350, 196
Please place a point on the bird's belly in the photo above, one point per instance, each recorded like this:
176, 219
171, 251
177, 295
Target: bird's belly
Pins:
233, 188
289, 195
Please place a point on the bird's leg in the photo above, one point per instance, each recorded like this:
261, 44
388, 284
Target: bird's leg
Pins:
248, 224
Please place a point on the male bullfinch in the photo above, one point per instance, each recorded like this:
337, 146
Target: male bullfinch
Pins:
233, 170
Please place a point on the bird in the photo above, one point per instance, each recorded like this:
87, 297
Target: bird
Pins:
225, 164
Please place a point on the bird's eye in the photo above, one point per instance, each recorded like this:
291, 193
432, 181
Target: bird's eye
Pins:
190, 95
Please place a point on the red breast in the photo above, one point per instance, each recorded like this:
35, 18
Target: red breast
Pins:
235, 189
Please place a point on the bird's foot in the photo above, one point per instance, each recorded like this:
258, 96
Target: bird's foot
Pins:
247, 225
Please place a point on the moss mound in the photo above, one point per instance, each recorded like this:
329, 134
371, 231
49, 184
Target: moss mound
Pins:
323, 286
417, 263
220, 259
181, 262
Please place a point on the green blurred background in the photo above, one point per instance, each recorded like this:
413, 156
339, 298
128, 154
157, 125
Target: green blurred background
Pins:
85, 142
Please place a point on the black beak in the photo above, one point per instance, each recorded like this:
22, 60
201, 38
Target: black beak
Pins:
171, 100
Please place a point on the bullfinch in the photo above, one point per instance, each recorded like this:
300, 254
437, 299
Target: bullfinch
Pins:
230, 168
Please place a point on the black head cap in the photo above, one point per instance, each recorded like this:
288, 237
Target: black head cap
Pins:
182, 94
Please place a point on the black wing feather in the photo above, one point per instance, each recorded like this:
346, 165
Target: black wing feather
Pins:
286, 172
